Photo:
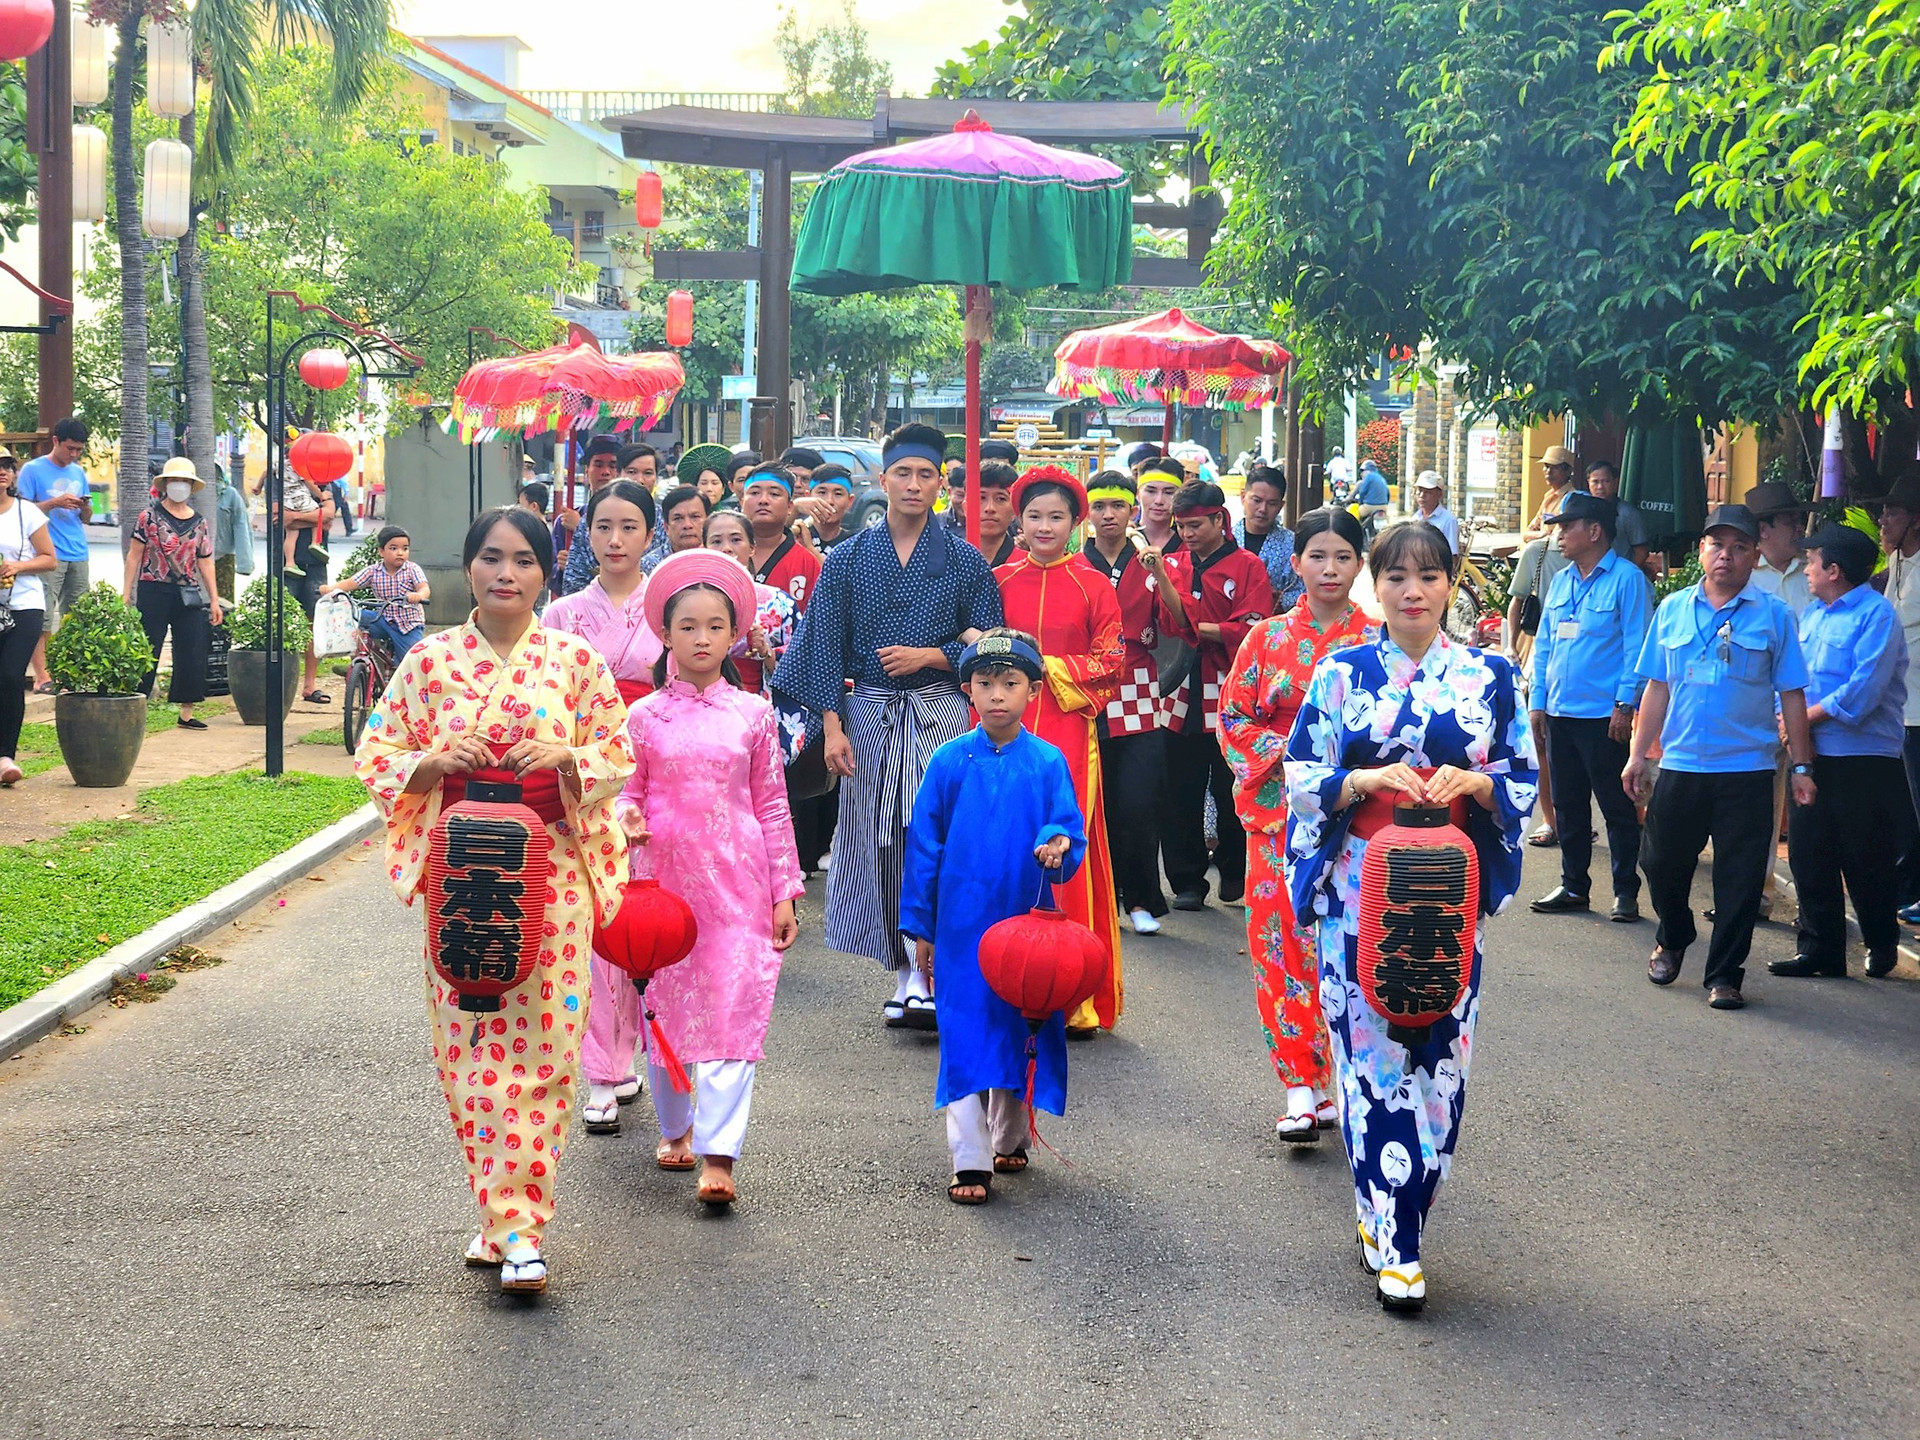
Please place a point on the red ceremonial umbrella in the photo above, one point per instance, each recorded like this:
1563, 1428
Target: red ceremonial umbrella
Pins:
570, 386
1168, 358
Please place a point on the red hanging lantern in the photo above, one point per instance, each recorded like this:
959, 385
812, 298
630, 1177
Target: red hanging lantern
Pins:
1419, 906
488, 873
679, 319
24, 27
320, 456
646, 200
652, 929
324, 369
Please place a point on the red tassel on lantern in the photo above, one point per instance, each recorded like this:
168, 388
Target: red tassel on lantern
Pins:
488, 869
1419, 906
1039, 963
320, 456
652, 929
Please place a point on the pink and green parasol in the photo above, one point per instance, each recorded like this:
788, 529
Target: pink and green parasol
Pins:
973, 208
1171, 359
570, 386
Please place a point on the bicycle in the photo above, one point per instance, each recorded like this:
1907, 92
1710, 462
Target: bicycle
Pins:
367, 677
1476, 607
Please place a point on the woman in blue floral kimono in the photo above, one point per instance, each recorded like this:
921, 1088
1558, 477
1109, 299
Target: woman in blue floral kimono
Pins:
1412, 714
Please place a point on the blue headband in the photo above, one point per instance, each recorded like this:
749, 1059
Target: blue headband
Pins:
911, 450
774, 475
996, 650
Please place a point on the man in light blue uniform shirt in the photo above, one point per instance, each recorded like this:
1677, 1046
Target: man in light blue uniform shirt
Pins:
1715, 657
1592, 627
1857, 695
57, 483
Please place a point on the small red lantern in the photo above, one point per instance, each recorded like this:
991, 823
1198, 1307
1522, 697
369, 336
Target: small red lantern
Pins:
324, 369
679, 319
320, 456
646, 200
652, 929
24, 27
488, 872
1419, 906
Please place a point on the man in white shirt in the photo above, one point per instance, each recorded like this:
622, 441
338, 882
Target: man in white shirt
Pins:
1900, 538
1428, 491
1782, 568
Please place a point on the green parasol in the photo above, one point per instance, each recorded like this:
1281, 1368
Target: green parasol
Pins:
1663, 472
971, 208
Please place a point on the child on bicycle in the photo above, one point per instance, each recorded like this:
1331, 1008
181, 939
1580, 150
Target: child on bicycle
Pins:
398, 586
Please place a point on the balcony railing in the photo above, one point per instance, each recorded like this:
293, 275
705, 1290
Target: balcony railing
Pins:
588, 106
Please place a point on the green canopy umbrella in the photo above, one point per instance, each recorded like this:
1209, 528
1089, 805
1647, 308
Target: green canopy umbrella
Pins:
1663, 471
972, 208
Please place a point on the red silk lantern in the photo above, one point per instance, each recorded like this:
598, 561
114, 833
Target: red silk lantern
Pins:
652, 929
1419, 906
646, 200
679, 319
488, 871
24, 27
320, 456
324, 369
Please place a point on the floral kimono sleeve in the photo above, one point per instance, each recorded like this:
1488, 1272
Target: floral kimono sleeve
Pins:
401, 732
1509, 758
1315, 771
603, 755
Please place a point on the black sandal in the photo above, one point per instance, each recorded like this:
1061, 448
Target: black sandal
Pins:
970, 1179
1012, 1162
317, 697
186, 723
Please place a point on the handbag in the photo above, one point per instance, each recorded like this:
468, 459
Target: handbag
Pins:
1530, 606
192, 595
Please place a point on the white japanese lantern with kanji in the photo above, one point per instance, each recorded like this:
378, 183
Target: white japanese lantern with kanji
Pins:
89, 44
89, 173
167, 196
170, 69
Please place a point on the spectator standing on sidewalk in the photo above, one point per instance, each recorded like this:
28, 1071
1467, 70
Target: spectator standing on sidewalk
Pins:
1781, 571
169, 579
1715, 658
26, 559
1534, 572
1857, 688
1630, 527
1900, 539
1591, 632
56, 483
232, 535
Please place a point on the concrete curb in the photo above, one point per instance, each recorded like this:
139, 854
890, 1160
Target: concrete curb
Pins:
39, 1015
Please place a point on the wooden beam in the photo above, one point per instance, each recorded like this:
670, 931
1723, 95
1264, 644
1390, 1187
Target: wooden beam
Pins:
1166, 272
706, 264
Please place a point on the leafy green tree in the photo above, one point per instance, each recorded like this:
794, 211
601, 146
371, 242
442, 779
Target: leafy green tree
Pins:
19, 171
832, 71
1441, 170
1797, 129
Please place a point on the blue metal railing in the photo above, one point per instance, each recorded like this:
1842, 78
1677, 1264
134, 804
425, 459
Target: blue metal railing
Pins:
588, 106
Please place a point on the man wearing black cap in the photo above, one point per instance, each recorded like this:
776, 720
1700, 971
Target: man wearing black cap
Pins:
1592, 626
1857, 681
801, 462
737, 470
600, 463
1715, 657
995, 452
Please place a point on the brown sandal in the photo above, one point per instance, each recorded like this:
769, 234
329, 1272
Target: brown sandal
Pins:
1011, 1163
666, 1159
981, 1180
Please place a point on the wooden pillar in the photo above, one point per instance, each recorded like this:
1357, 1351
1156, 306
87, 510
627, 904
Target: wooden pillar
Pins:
1296, 473
776, 274
50, 137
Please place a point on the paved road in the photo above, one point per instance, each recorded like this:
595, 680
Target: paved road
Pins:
237, 1212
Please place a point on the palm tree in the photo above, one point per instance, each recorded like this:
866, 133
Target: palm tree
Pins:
228, 38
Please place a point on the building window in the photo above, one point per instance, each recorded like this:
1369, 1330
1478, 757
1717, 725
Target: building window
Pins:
593, 225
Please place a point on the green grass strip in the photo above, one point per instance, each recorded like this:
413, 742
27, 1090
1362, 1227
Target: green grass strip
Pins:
76, 896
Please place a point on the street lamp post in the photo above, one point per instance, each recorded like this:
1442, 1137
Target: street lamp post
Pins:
381, 358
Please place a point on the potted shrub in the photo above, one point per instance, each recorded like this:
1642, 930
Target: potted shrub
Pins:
98, 658
247, 659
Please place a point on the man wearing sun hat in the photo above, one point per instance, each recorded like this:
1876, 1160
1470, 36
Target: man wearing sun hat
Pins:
1715, 659
1557, 465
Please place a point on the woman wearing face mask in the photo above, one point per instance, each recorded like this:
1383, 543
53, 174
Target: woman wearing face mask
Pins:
1415, 718
26, 553
170, 581
1259, 698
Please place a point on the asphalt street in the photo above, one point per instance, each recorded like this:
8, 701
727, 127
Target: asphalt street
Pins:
238, 1212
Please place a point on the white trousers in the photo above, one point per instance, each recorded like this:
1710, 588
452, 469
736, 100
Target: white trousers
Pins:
716, 1111
983, 1125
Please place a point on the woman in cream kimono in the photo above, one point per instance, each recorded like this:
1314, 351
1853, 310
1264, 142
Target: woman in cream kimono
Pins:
502, 693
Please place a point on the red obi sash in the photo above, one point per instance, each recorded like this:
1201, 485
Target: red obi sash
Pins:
539, 789
1373, 813
632, 691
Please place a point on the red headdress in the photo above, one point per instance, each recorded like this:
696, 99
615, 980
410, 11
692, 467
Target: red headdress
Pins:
1050, 475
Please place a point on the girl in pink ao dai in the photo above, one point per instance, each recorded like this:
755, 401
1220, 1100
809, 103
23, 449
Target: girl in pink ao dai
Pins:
706, 815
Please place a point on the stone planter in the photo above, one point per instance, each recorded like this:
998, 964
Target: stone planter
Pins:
247, 679
100, 736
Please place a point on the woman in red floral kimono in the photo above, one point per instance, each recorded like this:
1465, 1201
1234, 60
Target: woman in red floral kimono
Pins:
1068, 607
1258, 701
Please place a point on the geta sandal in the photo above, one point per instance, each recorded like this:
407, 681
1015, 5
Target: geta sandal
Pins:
1011, 1162
981, 1180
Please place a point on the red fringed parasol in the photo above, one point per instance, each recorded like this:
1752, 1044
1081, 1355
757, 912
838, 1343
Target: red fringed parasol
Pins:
571, 386
1168, 358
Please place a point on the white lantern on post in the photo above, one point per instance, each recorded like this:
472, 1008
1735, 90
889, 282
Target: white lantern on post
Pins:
89, 43
170, 69
168, 191
89, 173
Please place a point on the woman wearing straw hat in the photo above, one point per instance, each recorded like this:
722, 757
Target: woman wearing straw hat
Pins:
169, 580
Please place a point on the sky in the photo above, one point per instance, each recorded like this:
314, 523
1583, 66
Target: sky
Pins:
710, 45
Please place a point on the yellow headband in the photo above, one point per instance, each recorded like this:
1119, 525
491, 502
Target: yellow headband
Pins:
1111, 492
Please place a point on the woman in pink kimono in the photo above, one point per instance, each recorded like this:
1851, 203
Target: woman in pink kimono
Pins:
610, 615
706, 814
